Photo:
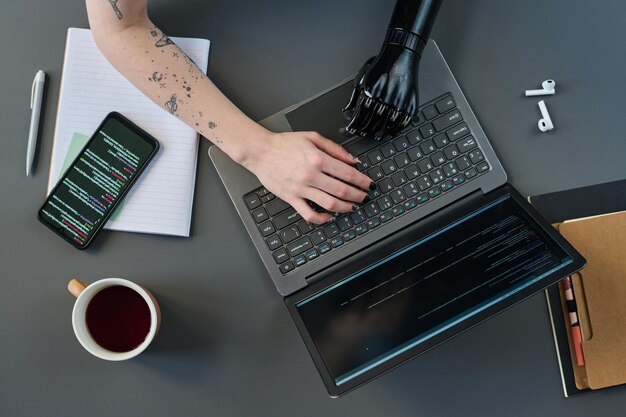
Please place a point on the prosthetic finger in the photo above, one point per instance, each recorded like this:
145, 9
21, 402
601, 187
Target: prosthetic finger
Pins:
361, 114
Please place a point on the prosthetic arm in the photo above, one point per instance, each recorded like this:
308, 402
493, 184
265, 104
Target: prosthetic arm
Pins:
385, 95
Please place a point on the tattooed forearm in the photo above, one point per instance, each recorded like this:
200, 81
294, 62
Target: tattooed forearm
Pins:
116, 9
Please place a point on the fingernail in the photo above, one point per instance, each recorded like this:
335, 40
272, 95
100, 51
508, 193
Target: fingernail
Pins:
354, 158
366, 199
372, 186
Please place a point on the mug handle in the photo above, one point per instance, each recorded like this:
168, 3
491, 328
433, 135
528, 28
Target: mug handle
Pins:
76, 287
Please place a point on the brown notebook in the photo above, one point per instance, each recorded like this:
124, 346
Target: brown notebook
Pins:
600, 292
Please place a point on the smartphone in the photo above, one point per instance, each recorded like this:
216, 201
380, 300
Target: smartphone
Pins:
98, 179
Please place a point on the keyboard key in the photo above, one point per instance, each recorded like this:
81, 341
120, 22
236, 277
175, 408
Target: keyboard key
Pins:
446, 185
360, 229
363, 165
375, 156
260, 215
267, 228
463, 163
375, 173
471, 173
286, 218
438, 158
358, 216
388, 150
459, 179
273, 242
399, 179
386, 216
299, 246
482, 167
299, 260
402, 143
424, 183
286, 267
457, 132
445, 104
412, 172
397, 196
323, 248
397, 211
267, 198
441, 140
330, 230
389, 167
410, 189
385, 185
434, 192
336, 241
476, 156
427, 130
451, 152
304, 226
289, 233
466, 144
252, 201
428, 146
413, 136
311, 254
409, 204
422, 198
450, 169
430, 112
425, 165
437, 176
373, 223
276, 206
317, 237
344, 223
415, 153
401, 160
348, 235
280, 255
447, 120
262, 192
384, 203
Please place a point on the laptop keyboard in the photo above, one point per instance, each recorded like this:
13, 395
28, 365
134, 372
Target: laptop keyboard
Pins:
436, 154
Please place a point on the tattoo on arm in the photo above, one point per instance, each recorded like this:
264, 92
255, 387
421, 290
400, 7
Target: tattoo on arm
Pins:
171, 105
116, 9
212, 125
164, 41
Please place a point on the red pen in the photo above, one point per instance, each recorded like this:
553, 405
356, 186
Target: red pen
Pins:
577, 338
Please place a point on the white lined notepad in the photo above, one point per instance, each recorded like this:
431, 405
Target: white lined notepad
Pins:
161, 201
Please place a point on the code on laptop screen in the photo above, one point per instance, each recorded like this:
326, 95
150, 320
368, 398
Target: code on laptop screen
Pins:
376, 314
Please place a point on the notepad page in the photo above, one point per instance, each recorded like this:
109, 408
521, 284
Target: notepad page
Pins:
161, 200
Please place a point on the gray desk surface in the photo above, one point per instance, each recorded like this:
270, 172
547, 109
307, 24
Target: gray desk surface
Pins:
227, 346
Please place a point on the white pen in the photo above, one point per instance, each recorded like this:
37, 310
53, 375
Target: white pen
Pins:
36, 96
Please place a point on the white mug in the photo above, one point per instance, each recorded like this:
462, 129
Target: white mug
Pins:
84, 294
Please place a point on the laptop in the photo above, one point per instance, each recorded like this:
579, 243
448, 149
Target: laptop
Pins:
443, 244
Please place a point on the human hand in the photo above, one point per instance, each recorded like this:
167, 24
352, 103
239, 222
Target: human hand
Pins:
301, 166
385, 95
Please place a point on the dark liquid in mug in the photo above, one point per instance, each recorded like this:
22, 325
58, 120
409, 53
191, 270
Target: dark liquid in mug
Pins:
118, 318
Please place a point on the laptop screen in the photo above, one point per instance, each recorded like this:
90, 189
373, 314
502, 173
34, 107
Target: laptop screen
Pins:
411, 296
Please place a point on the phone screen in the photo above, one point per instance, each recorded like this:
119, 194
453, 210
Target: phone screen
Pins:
99, 177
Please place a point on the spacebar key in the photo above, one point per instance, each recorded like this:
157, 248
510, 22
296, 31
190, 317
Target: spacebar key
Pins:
295, 248
286, 218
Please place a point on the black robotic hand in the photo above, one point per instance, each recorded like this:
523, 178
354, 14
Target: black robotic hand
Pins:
385, 95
